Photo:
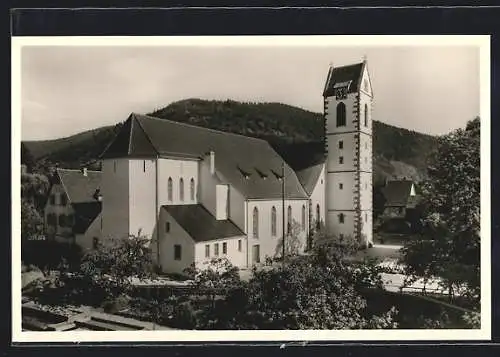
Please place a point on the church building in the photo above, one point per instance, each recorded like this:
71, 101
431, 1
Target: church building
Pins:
199, 193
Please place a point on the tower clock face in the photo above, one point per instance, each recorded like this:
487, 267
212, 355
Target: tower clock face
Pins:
341, 93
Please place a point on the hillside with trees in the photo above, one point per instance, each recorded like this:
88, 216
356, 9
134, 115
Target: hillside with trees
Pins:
397, 151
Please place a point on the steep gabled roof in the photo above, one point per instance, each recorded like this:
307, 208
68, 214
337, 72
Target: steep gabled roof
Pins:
309, 177
246, 163
306, 159
397, 192
337, 75
200, 224
78, 187
85, 214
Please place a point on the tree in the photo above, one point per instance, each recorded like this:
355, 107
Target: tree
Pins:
108, 270
31, 222
213, 283
318, 291
26, 157
449, 247
34, 189
294, 241
216, 277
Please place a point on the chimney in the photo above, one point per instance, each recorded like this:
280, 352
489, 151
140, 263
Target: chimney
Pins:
84, 171
212, 162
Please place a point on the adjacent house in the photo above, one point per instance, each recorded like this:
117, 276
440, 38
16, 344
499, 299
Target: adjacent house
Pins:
74, 205
400, 196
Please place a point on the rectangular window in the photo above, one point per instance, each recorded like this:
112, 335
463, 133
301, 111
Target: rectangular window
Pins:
341, 144
207, 250
114, 166
341, 236
144, 165
52, 199
341, 218
341, 186
224, 248
167, 227
366, 217
341, 160
177, 252
95, 243
216, 249
239, 245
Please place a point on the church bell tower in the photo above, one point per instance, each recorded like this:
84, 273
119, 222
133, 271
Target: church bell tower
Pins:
348, 100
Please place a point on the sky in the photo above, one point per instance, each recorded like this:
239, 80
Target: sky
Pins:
69, 89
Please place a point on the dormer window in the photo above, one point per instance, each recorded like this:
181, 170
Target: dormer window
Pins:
245, 174
278, 176
97, 195
261, 174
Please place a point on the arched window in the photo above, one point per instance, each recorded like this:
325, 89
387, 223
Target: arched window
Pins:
341, 114
181, 189
255, 222
366, 114
303, 218
170, 189
318, 217
273, 221
289, 219
191, 189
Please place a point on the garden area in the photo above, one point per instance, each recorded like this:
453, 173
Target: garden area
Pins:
323, 290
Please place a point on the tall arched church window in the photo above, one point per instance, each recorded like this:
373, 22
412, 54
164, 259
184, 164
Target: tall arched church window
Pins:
366, 114
170, 189
181, 189
341, 114
318, 218
191, 189
255, 222
303, 218
273, 221
289, 219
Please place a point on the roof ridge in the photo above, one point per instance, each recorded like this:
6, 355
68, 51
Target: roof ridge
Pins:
134, 116
199, 127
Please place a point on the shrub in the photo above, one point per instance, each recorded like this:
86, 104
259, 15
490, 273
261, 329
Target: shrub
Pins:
117, 304
185, 316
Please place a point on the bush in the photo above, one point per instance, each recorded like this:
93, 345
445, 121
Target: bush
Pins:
117, 304
185, 316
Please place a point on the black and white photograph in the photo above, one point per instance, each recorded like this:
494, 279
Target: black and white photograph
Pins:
212, 188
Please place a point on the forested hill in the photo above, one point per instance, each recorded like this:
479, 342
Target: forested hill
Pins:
397, 151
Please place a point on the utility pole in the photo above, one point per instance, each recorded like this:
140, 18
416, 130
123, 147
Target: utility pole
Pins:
283, 205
